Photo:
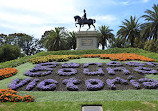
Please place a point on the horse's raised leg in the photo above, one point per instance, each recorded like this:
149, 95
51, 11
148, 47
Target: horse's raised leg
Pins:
75, 24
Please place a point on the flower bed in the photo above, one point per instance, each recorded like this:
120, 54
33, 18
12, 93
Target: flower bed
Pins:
92, 63
71, 84
67, 72
111, 82
111, 71
145, 70
9, 95
119, 79
120, 57
7, 72
50, 58
94, 84
47, 85
135, 64
152, 63
113, 63
70, 65
135, 83
16, 83
34, 72
98, 72
32, 84
48, 64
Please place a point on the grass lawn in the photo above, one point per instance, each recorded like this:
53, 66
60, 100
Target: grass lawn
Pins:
76, 106
118, 100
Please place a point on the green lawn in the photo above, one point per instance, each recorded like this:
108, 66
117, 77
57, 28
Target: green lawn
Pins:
76, 106
126, 100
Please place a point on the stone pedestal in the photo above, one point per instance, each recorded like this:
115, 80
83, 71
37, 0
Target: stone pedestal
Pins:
87, 40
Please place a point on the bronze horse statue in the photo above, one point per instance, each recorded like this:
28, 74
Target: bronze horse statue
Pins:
81, 22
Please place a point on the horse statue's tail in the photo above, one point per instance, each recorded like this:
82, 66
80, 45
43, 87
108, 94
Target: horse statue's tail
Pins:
94, 20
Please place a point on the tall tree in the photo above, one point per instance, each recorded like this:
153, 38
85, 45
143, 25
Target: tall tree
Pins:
105, 35
72, 40
54, 40
116, 42
2, 39
150, 30
28, 44
129, 30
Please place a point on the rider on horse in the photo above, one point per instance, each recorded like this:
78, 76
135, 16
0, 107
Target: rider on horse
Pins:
84, 18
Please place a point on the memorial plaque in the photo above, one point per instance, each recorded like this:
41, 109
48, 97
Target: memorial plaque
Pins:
86, 42
92, 108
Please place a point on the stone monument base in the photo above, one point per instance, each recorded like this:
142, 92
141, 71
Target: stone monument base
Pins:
87, 40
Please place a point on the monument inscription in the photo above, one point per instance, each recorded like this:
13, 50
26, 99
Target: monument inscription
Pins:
87, 42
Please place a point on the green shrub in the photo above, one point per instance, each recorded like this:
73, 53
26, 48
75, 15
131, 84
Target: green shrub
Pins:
151, 45
9, 52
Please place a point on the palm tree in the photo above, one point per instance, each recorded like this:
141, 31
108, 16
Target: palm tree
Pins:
150, 29
72, 40
105, 35
129, 30
53, 40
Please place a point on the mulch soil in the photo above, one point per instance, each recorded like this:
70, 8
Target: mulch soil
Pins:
83, 78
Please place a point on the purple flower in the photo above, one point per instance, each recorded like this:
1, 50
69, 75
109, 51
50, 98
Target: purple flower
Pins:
130, 77
70, 65
123, 81
35, 72
118, 80
71, 84
151, 63
16, 83
111, 84
141, 80
113, 63
99, 72
135, 64
32, 84
92, 63
135, 83
94, 84
145, 70
47, 85
48, 64
151, 85
111, 71
67, 71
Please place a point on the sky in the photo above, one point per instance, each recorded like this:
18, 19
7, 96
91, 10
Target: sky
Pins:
34, 17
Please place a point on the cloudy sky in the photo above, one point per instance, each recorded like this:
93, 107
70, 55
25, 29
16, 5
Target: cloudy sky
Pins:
34, 17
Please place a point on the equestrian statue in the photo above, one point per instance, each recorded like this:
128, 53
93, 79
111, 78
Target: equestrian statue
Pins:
84, 20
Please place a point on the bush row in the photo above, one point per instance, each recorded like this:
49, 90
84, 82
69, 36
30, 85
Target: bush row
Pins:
16, 62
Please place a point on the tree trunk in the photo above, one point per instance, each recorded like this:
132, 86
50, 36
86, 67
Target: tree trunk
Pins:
132, 42
103, 46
